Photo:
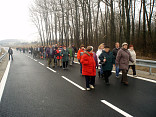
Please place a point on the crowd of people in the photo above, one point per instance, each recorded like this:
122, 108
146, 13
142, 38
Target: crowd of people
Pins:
121, 58
55, 55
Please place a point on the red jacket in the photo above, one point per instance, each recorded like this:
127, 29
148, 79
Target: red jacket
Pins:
79, 54
58, 54
88, 64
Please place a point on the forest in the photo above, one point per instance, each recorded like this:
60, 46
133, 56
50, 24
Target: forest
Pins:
91, 22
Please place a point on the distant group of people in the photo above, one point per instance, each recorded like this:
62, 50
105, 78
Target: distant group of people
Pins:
56, 55
121, 57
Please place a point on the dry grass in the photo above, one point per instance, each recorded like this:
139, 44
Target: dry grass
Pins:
3, 64
2, 51
145, 69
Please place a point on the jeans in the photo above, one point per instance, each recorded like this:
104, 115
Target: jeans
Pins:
90, 80
117, 70
11, 56
101, 71
80, 68
73, 60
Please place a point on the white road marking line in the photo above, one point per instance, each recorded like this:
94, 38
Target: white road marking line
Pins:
149, 80
41, 63
77, 62
51, 69
74, 83
4, 79
116, 109
141, 78
35, 60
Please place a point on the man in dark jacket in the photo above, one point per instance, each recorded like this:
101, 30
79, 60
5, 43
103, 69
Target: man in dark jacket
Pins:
50, 54
10, 51
107, 60
115, 52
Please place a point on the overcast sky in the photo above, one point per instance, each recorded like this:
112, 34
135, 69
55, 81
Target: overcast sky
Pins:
15, 22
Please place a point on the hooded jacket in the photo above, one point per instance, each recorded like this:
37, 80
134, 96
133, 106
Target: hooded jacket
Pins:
88, 64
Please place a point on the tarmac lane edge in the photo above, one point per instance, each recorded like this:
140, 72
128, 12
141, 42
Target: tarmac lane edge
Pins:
4, 79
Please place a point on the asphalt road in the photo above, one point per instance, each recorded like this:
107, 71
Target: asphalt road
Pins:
33, 90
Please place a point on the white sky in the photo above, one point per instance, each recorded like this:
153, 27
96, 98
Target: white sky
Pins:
15, 22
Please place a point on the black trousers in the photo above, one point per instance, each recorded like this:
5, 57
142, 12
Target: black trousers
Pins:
124, 75
133, 68
11, 56
107, 74
90, 80
65, 64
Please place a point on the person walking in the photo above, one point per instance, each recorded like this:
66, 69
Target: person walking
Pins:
132, 65
98, 53
41, 52
50, 54
31, 50
79, 55
122, 61
65, 57
75, 51
107, 59
59, 57
71, 52
10, 51
89, 68
115, 51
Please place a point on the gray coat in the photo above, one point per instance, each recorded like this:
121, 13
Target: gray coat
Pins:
123, 58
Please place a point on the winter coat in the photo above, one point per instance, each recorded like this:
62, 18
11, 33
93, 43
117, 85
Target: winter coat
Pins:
88, 64
58, 55
110, 60
65, 54
133, 54
98, 53
115, 52
71, 51
95, 58
10, 51
79, 54
123, 58
75, 49
48, 52
41, 49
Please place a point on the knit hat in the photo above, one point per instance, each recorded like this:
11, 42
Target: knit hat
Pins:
106, 46
89, 48
82, 45
124, 44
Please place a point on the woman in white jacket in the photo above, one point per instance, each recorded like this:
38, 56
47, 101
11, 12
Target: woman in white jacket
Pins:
98, 53
132, 65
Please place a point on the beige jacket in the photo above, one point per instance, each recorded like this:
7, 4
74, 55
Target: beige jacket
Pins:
133, 54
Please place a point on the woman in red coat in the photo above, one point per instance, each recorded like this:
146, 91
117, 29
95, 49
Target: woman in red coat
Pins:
89, 67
